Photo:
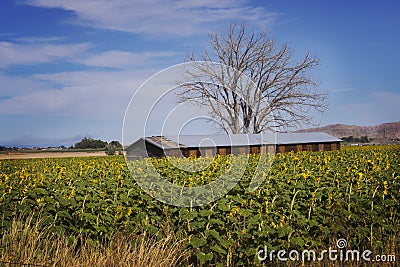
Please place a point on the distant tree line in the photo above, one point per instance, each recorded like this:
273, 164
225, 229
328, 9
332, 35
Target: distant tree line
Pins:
90, 143
3, 148
351, 139
85, 143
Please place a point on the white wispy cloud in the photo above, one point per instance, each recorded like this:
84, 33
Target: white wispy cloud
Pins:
125, 59
39, 39
12, 53
37, 102
159, 17
84, 94
342, 90
38, 50
18, 85
74, 93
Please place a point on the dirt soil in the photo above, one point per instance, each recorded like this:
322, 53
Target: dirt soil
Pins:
32, 155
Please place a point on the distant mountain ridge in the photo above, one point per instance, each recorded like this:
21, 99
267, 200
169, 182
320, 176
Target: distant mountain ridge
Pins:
385, 130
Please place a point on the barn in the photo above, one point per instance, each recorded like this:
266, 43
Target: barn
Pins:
210, 145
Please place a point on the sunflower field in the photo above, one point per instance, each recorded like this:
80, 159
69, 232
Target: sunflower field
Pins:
308, 200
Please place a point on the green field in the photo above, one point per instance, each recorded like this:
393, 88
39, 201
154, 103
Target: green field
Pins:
308, 201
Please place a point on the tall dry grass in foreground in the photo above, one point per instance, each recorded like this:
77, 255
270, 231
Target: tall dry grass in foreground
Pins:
27, 243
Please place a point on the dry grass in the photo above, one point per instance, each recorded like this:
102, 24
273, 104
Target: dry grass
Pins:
25, 243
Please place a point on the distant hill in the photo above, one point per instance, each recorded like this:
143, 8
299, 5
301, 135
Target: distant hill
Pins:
389, 130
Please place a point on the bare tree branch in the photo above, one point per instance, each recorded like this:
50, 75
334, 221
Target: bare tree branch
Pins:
280, 95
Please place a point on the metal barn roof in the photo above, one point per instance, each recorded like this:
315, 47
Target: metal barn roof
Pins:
184, 141
221, 140
301, 138
164, 142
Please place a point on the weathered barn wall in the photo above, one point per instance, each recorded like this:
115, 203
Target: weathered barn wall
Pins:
314, 147
152, 146
154, 151
137, 150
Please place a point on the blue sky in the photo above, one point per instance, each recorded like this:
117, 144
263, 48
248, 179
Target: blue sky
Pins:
69, 68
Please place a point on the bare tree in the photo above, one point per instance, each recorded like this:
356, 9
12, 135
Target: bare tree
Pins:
255, 80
